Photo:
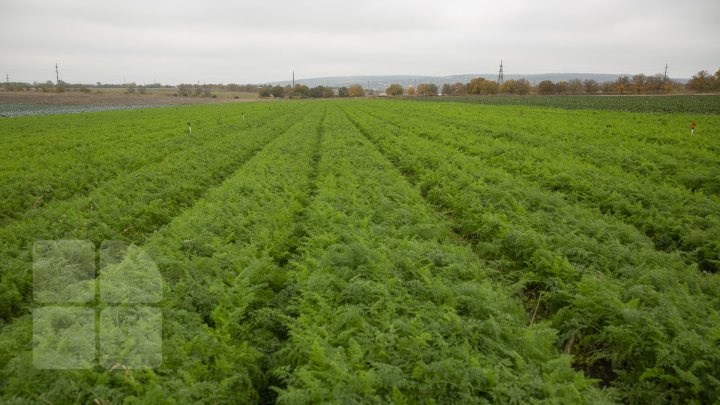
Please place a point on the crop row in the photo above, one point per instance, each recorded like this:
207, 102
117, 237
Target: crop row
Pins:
637, 318
674, 217
656, 147
389, 306
640, 104
85, 150
317, 273
130, 206
222, 263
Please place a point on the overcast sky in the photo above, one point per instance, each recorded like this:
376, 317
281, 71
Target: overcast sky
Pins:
259, 41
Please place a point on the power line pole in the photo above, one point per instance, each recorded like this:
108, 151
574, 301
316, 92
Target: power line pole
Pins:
57, 75
501, 77
293, 79
665, 79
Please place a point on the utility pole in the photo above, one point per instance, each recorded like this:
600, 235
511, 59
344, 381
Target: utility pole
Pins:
665, 79
293, 79
500, 74
57, 75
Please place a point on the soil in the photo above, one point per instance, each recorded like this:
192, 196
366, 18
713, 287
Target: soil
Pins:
104, 99
23, 103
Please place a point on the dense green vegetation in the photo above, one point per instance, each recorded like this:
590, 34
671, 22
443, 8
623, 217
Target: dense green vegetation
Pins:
694, 104
380, 251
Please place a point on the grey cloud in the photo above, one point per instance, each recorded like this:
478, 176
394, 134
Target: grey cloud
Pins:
260, 41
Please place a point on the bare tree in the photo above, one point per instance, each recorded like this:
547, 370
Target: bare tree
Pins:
575, 86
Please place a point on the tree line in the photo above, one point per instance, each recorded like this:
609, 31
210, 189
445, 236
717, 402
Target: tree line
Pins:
183, 89
703, 82
303, 91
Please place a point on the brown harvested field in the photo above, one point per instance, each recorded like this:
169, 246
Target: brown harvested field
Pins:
115, 97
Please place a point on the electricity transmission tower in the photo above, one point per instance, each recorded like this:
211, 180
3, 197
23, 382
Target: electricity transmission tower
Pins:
501, 77
57, 75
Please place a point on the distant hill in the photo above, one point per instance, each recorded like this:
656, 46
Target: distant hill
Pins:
382, 82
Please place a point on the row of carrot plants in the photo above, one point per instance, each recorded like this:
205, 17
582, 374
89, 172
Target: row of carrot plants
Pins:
658, 147
640, 320
391, 307
222, 262
130, 206
673, 216
55, 158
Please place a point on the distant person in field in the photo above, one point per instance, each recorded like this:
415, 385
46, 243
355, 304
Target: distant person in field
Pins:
692, 128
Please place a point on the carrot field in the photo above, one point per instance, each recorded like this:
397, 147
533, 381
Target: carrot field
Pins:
379, 251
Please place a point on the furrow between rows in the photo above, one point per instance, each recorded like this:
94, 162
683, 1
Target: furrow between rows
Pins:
128, 208
607, 292
34, 183
224, 288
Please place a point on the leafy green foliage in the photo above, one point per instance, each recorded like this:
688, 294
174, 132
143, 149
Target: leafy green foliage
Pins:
84, 149
391, 309
211, 347
374, 251
601, 280
645, 104
134, 204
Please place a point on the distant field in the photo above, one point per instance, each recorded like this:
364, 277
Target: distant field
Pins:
39, 103
383, 251
164, 91
699, 104
23, 109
